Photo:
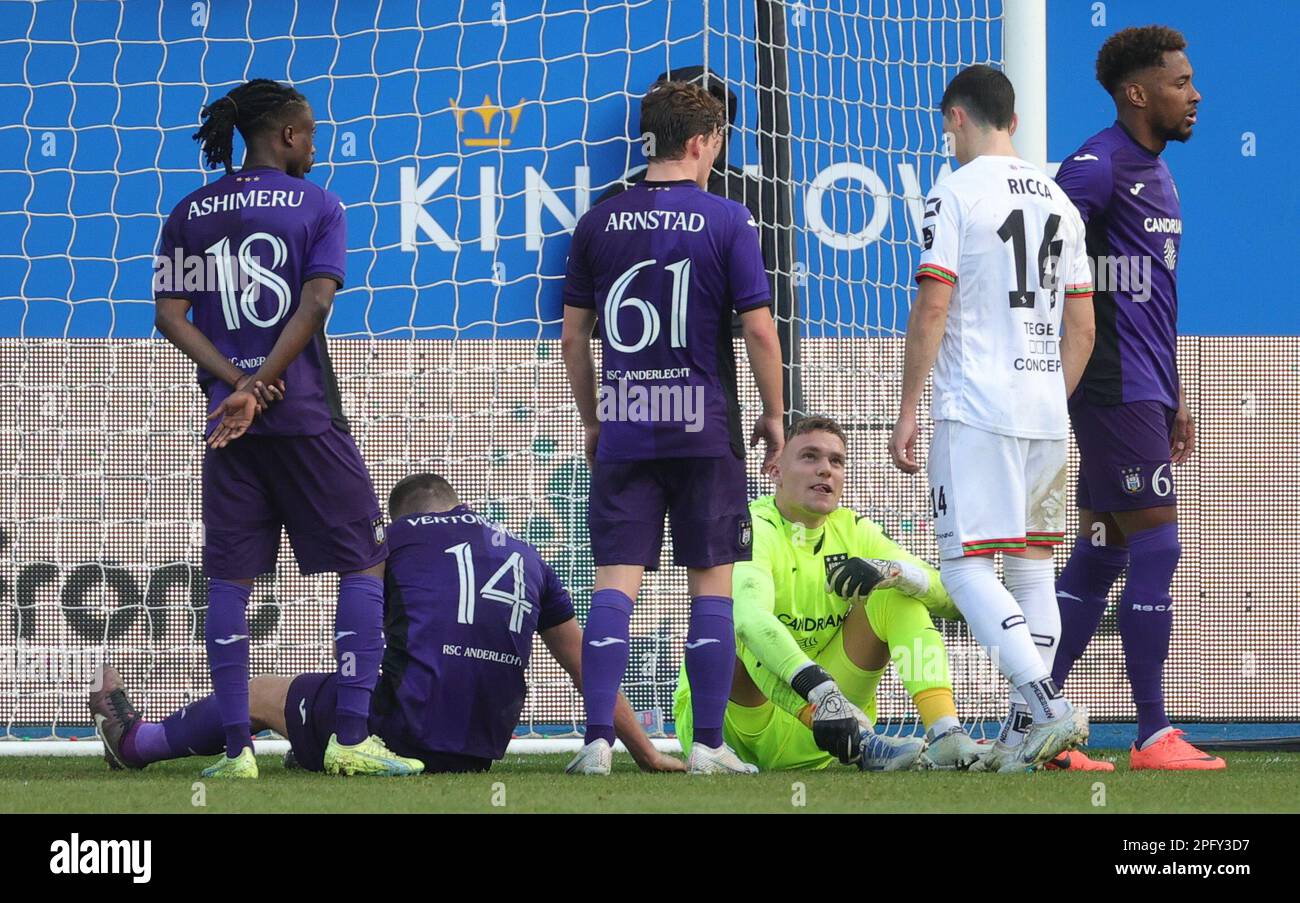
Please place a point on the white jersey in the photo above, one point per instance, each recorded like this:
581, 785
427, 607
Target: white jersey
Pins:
1012, 245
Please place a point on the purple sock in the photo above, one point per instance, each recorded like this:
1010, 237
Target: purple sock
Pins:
604, 659
358, 648
226, 631
1146, 620
195, 730
710, 665
1081, 593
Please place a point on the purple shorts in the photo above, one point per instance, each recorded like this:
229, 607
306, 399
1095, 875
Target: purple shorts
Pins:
704, 498
1123, 455
309, 718
315, 487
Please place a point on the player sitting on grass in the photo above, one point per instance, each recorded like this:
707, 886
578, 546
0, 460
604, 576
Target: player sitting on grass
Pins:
821, 608
463, 599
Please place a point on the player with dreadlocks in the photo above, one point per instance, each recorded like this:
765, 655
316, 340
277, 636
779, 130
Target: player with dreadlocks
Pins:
275, 245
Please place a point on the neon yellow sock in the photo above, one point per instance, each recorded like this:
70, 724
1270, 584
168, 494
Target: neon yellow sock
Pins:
934, 704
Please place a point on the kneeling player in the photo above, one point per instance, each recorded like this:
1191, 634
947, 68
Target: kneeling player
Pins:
813, 639
463, 599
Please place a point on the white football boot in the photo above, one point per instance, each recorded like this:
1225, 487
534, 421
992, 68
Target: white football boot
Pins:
884, 753
595, 758
719, 760
1048, 739
954, 750
1043, 743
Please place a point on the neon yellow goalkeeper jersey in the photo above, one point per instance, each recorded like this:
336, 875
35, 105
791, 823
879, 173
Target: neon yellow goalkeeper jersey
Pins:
787, 573
784, 613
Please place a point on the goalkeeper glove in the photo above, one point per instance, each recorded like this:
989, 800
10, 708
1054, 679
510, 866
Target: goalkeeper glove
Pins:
854, 578
902, 575
836, 722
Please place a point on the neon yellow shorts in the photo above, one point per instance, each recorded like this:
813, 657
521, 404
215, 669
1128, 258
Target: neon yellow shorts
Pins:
770, 737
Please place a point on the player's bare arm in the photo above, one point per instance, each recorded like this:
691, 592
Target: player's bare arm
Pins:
925, 328
565, 644
237, 411
764, 349
172, 321
314, 306
580, 365
1184, 441
1077, 340
170, 318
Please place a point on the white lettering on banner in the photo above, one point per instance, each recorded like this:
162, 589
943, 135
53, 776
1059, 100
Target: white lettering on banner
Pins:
815, 222
414, 216
417, 222
537, 194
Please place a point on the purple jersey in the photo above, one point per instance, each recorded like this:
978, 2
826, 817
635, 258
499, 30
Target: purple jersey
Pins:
1127, 198
246, 243
463, 599
664, 264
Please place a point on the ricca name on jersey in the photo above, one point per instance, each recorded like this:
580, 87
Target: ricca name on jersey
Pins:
1167, 224
263, 197
672, 220
809, 625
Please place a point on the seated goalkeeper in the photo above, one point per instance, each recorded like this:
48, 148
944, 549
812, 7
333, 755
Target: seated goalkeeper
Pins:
825, 601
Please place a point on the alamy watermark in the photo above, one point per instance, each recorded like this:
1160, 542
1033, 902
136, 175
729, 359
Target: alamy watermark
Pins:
626, 402
1130, 275
27, 663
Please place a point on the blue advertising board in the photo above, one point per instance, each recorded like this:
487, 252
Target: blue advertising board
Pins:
465, 139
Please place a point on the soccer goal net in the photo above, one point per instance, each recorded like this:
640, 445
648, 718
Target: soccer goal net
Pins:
465, 139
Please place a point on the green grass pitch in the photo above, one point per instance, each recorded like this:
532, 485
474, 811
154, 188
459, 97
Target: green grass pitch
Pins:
1253, 782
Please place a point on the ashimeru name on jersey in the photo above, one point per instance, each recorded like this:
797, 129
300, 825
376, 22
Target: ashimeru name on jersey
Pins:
259, 197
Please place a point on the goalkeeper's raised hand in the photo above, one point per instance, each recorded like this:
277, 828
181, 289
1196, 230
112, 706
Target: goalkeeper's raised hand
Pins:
854, 578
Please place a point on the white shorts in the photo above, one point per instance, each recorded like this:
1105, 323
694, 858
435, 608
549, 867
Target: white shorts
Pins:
993, 493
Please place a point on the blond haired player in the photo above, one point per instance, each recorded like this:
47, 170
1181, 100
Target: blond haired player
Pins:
1004, 316
823, 606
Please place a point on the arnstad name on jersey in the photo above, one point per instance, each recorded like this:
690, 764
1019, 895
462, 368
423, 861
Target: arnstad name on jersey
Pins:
670, 220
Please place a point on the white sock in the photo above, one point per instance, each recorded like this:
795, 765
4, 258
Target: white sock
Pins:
1018, 722
942, 725
1032, 581
1033, 584
993, 617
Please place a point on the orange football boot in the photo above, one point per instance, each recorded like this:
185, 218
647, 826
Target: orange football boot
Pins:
1075, 760
1172, 753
